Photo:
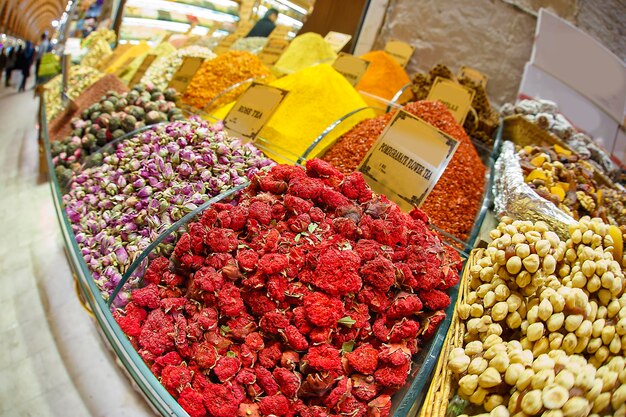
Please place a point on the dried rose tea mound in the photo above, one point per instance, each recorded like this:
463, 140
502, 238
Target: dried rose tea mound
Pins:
309, 298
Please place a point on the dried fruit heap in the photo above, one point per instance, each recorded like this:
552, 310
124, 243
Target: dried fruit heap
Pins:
308, 298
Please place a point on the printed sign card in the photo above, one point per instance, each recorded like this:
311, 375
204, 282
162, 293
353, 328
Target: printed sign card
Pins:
407, 160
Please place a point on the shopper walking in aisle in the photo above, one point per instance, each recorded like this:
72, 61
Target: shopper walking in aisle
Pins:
265, 25
3, 61
43, 47
11, 58
24, 62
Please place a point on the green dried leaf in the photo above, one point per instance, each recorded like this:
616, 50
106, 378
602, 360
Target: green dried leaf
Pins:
348, 346
347, 321
312, 227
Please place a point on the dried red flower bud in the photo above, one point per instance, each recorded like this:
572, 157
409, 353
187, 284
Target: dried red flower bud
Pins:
277, 405
295, 339
221, 240
379, 273
156, 269
392, 376
204, 354
324, 358
175, 377
289, 382
220, 401
364, 387
192, 402
405, 305
323, 310
229, 300
266, 380
270, 355
434, 299
363, 359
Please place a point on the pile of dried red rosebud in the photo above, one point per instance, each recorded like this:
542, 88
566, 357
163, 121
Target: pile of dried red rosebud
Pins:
309, 298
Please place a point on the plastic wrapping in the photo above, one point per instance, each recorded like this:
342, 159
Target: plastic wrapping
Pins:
514, 198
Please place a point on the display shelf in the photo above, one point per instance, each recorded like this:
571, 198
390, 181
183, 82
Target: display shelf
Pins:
130, 361
405, 402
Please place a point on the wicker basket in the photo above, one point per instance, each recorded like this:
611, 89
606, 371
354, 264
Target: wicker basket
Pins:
442, 385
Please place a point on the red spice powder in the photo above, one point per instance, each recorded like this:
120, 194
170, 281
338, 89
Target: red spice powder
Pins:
456, 199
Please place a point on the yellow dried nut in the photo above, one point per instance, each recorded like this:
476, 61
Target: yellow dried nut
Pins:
473, 348
556, 340
545, 310
535, 331
523, 280
458, 364
554, 396
619, 397
607, 334
541, 346
518, 238
531, 402
617, 364
522, 250
601, 402
500, 411
584, 330
468, 385
593, 284
615, 347
523, 381
570, 341
478, 397
609, 380
589, 268
486, 274
549, 264
514, 265
477, 366
463, 311
565, 379
500, 362
613, 309
513, 372
542, 379
531, 263
576, 407
489, 378
492, 402
476, 310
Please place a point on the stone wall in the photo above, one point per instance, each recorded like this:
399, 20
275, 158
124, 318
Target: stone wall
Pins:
493, 36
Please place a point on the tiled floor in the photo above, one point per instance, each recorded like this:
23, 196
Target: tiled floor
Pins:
52, 360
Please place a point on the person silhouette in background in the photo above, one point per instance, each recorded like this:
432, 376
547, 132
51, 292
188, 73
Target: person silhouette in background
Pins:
265, 25
44, 47
11, 58
24, 62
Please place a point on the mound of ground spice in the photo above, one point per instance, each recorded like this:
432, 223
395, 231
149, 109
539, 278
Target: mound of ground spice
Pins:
457, 197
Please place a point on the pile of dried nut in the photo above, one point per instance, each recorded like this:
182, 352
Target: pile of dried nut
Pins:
545, 323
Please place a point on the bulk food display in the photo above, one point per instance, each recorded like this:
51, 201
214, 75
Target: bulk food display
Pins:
262, 277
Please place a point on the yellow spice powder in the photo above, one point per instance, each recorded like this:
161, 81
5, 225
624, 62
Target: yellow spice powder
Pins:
304, 51
317, 97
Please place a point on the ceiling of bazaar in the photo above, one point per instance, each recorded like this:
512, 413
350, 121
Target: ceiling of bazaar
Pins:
28, 19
